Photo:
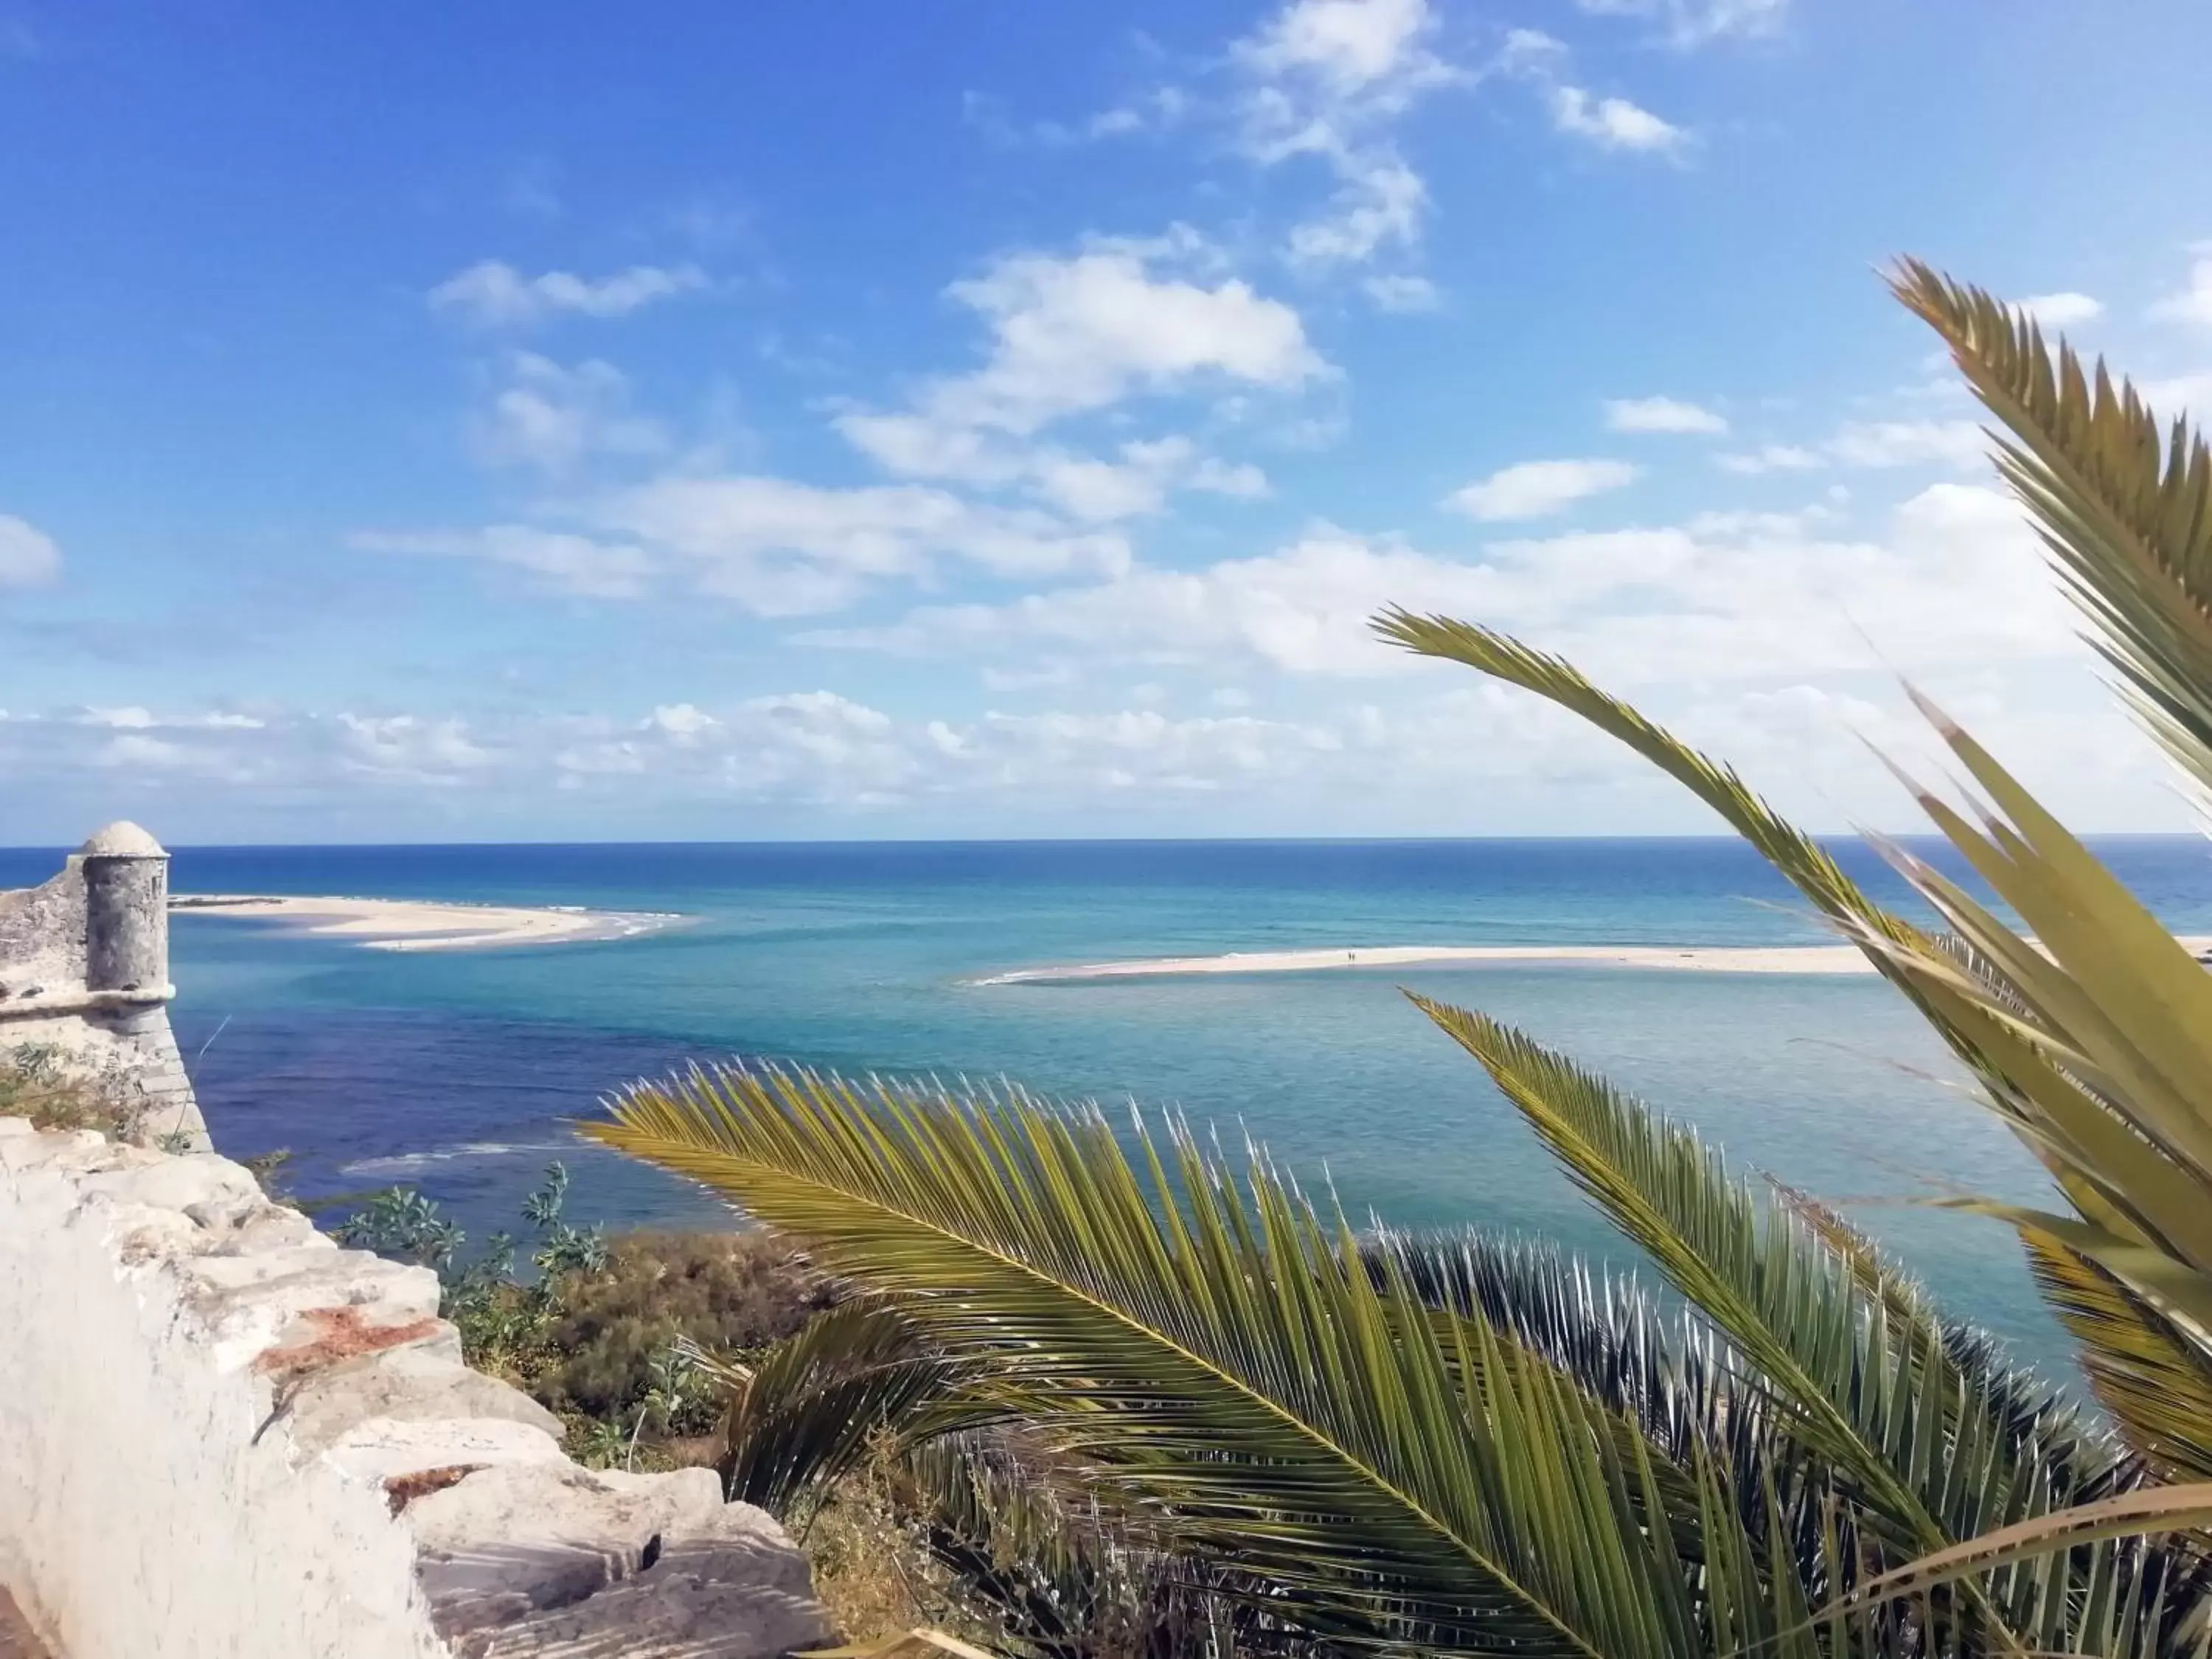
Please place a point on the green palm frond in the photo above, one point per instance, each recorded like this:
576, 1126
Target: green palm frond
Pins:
1807, 865
2125, 510
1223, 1360
1959, 982
2155, 1380
1931, 1443
1884, 936
814, 1406
2101, 1026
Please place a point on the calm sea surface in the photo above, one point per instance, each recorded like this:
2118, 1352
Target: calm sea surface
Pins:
459, 1072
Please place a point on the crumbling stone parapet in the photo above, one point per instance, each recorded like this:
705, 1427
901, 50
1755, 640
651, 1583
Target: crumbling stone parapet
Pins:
223, 1434
84, 973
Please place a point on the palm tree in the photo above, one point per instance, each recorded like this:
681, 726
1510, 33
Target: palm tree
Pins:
2092, 1033
1453, 1444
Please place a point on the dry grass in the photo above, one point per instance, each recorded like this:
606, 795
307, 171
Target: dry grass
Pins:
873, 1570
55, 1090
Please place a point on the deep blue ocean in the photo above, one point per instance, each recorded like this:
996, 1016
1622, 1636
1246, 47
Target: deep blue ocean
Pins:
460, 1072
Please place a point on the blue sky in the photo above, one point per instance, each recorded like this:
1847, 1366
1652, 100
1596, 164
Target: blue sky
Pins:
488, 422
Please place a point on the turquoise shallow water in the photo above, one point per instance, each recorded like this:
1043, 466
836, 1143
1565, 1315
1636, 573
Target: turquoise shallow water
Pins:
457, 1072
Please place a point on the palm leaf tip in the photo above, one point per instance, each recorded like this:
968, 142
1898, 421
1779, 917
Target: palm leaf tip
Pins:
2125, 510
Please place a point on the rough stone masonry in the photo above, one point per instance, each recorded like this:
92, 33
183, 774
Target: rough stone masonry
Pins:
84, 972
223, 1437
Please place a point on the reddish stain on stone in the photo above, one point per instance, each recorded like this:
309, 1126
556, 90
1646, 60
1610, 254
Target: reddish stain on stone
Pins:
340, 1334
401, 1490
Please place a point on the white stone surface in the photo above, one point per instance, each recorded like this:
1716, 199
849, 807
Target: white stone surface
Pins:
222, 1437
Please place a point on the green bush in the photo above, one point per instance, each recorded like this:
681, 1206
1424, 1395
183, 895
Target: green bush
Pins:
727, 1292
599, 1332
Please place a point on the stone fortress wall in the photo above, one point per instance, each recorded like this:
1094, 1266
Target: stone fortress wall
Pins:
222, 1435
84, 969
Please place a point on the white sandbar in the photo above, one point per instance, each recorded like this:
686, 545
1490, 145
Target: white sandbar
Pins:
1701, 959
425, 924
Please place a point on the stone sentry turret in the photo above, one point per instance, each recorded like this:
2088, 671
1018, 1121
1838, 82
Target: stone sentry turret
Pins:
84, 983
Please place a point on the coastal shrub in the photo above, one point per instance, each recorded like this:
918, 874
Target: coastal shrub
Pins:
727, 1292
597, 1328
1455, 1444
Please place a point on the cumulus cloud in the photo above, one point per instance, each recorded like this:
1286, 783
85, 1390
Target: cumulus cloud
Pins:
1072, 334
1401, 294
1379, 202
1772, 457
2062, 310
1075, 334
494, 295
1960, 445
1324, 79
1098, 491
1534, 489
553, 419
28, 558
1349, 47
566, 563
1688, 24
1956, 577
781, 547
1660, 415
1613, 122
2193, 303
1909, 443
777, 547
134, 717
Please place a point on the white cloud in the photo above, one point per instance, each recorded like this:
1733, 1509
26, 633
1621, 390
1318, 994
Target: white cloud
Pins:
1957, 444
1660, 415
1772, 458
494, 295
781, 547
1909, 443
1154, 111
413, 748
682, 722
2062, 310
1076, 334
28, 558
2193, 303
1956, 578
1613, 122
1098, 491
1534, 488
1401, 294
1690, 23
1377, 204
1072, 334
568, 563
134, 717
1324, 79
1350, 46
554, 418
2173, 394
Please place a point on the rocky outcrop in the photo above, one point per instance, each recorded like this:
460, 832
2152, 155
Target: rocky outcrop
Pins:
223, 1434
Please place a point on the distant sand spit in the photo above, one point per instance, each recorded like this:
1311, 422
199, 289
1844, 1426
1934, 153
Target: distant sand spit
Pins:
425, 924
1823, 959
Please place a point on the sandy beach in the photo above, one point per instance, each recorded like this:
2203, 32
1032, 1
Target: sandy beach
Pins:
424, 924
1824, 959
